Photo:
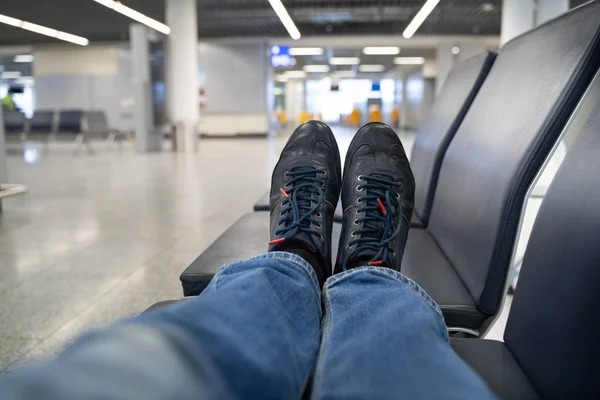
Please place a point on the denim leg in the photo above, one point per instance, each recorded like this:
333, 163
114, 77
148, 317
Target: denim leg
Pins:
385, 338
259, 322
254, 333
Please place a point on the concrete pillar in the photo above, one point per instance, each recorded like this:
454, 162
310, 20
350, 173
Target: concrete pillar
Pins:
146, 139
182, 71
404, 103
295, 100
3, 172
517, 17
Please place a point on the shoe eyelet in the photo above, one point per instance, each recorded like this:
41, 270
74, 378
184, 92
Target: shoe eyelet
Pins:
322, 184
353, 234
318, 214
361, 178
398, 195
324, 173
320, 237
359, 188
355, 222
359, 200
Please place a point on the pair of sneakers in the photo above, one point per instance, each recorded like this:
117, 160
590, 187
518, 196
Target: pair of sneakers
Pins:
377, 194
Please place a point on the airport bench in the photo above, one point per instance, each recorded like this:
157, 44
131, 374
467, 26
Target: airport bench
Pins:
463, 257
550, 347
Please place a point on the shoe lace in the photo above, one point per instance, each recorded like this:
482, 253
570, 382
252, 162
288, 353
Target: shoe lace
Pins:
380, 224
302, 196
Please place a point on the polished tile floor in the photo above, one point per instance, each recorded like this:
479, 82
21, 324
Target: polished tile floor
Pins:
103, 236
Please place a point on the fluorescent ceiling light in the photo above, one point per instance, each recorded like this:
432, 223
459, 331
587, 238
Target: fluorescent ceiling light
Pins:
135, 15
344, 61
344, 74
306, 51
10, 75
10, 21
371, 68
285, 18
24, 58
391, 51
316, 68
419, 18
295, 74
43, 30
282, 78
409, 60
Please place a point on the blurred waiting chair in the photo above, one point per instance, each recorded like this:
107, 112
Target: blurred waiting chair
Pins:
97, 125
41, 126
14, 124
70, 123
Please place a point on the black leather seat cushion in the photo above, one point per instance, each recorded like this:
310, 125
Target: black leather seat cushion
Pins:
495, 364
424, 263
246, 238
416, 221
263, 203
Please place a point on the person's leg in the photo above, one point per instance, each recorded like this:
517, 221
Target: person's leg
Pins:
385, 338
253, 333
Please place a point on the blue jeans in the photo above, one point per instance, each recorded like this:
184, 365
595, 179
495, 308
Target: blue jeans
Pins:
263, 330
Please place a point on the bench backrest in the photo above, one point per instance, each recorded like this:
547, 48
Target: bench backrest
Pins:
514, 121
434, 137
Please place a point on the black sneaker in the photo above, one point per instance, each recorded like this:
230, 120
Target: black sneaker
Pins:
304, 193
377, 197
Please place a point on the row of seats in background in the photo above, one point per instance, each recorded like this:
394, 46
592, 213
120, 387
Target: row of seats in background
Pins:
46, 125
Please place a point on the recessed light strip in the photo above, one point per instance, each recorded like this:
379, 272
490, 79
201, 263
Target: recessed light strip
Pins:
409, 60
381, 51
316, 68
344, 61
371, 68
419, 18
43, 30
24, 58
135, 15
285, 18
306, 51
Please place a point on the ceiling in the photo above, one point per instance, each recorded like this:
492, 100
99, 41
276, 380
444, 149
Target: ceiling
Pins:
255, 18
